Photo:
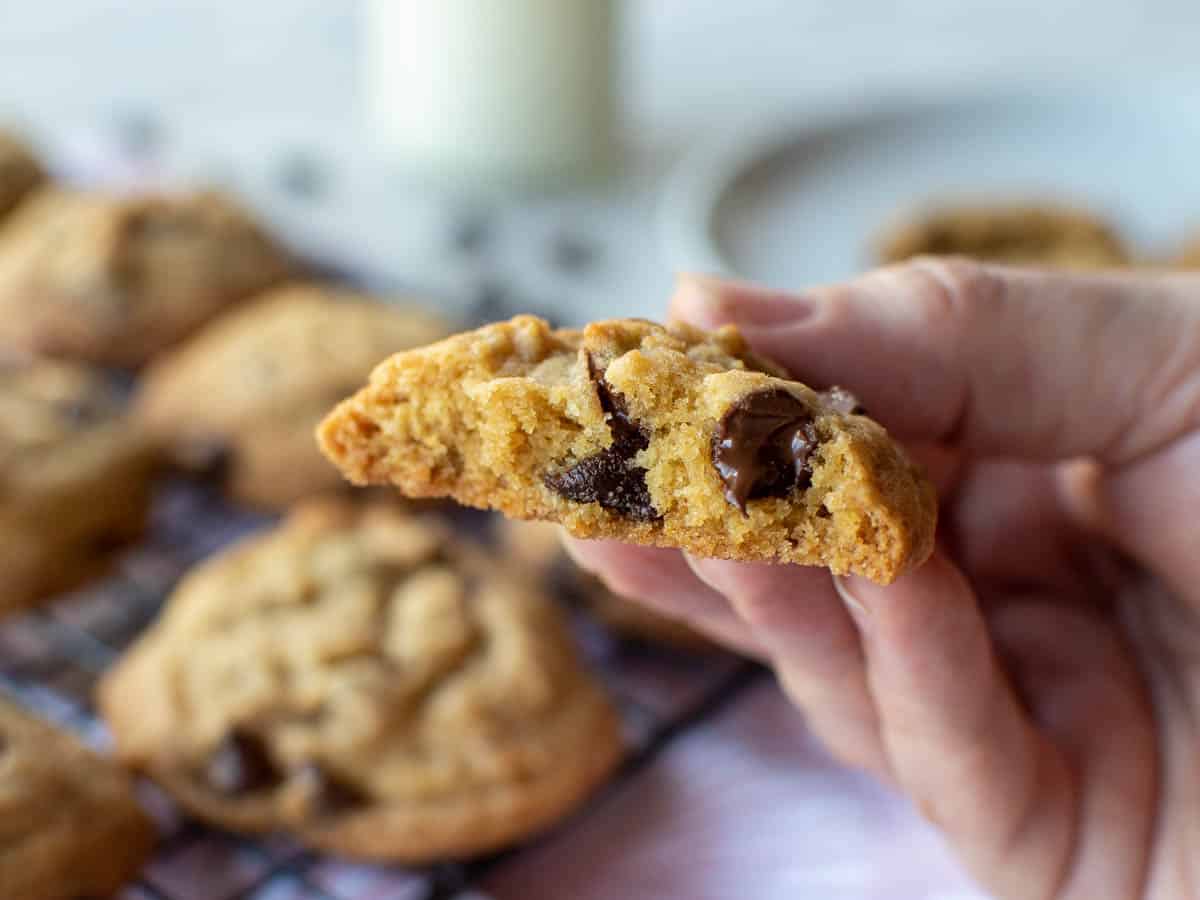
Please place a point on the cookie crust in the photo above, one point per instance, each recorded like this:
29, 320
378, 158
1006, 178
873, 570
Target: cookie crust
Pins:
522, 418
363, 681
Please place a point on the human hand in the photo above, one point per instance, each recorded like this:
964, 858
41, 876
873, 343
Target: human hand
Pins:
1035, 687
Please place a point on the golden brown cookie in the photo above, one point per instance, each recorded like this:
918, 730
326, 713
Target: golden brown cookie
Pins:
117, 279
632, 431
1018, 234
75, 478
256, 382
538, 548
20, 172
1189, 255
70, 826
361, 680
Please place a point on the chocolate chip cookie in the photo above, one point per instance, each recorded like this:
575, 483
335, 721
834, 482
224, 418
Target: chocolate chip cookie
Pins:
20, 172
70, 826
1189, 256
1021, 235
250, 388
116, 279
74, 477
629, 430
537, 547
362, 680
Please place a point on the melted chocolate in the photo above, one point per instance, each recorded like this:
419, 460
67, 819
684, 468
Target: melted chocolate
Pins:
762, 446
241, 764
610, 477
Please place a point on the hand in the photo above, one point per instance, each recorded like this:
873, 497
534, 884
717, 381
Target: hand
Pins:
1035, 687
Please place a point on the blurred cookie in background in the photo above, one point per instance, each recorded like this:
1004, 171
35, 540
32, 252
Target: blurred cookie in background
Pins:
75, 478
1025, 234
70, 826
368, 683
248, 390
537, 547
116, 279
20, 171
1189, 255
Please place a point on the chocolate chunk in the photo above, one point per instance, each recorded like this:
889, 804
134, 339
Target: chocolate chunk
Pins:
610, 477
841, 400
762, 446
241, 764
327, 794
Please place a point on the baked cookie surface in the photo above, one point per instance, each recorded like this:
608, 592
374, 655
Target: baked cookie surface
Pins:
115, 279
75, 477
1017, 234
362, 681
633, 431
251, 386
70, 826
20, 172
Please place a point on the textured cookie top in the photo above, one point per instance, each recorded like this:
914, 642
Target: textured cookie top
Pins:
1037, 235
58, 421
69, 824
115, 279
287, 356
20, 171
639, 432
362, 679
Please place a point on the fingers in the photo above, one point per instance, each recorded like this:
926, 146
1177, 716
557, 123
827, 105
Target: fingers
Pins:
958, 741
1081, 681
662, 580
999, 361
798, 619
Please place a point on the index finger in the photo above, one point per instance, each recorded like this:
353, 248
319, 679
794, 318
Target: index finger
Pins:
998, 361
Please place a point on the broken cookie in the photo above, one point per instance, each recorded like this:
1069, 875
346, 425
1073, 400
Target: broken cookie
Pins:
630, 430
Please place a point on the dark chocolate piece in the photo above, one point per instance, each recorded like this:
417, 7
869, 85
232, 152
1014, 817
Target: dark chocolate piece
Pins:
610, 477
762, 446
241, 764
327, 794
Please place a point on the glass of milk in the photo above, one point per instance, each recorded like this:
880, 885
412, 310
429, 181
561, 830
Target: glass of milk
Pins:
493, 93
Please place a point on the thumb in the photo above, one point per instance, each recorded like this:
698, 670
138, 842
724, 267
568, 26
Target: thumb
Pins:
999, 361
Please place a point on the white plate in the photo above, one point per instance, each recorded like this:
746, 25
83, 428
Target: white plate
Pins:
797, 203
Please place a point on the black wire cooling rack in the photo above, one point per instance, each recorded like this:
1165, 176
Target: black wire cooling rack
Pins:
50, 660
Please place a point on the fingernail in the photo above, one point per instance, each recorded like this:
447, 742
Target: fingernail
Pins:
709, 301
844, 587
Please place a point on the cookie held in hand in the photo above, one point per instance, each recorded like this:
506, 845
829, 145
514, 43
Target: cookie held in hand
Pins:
366, 683
629, 430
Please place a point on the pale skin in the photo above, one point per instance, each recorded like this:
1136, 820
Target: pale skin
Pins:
1034, 688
